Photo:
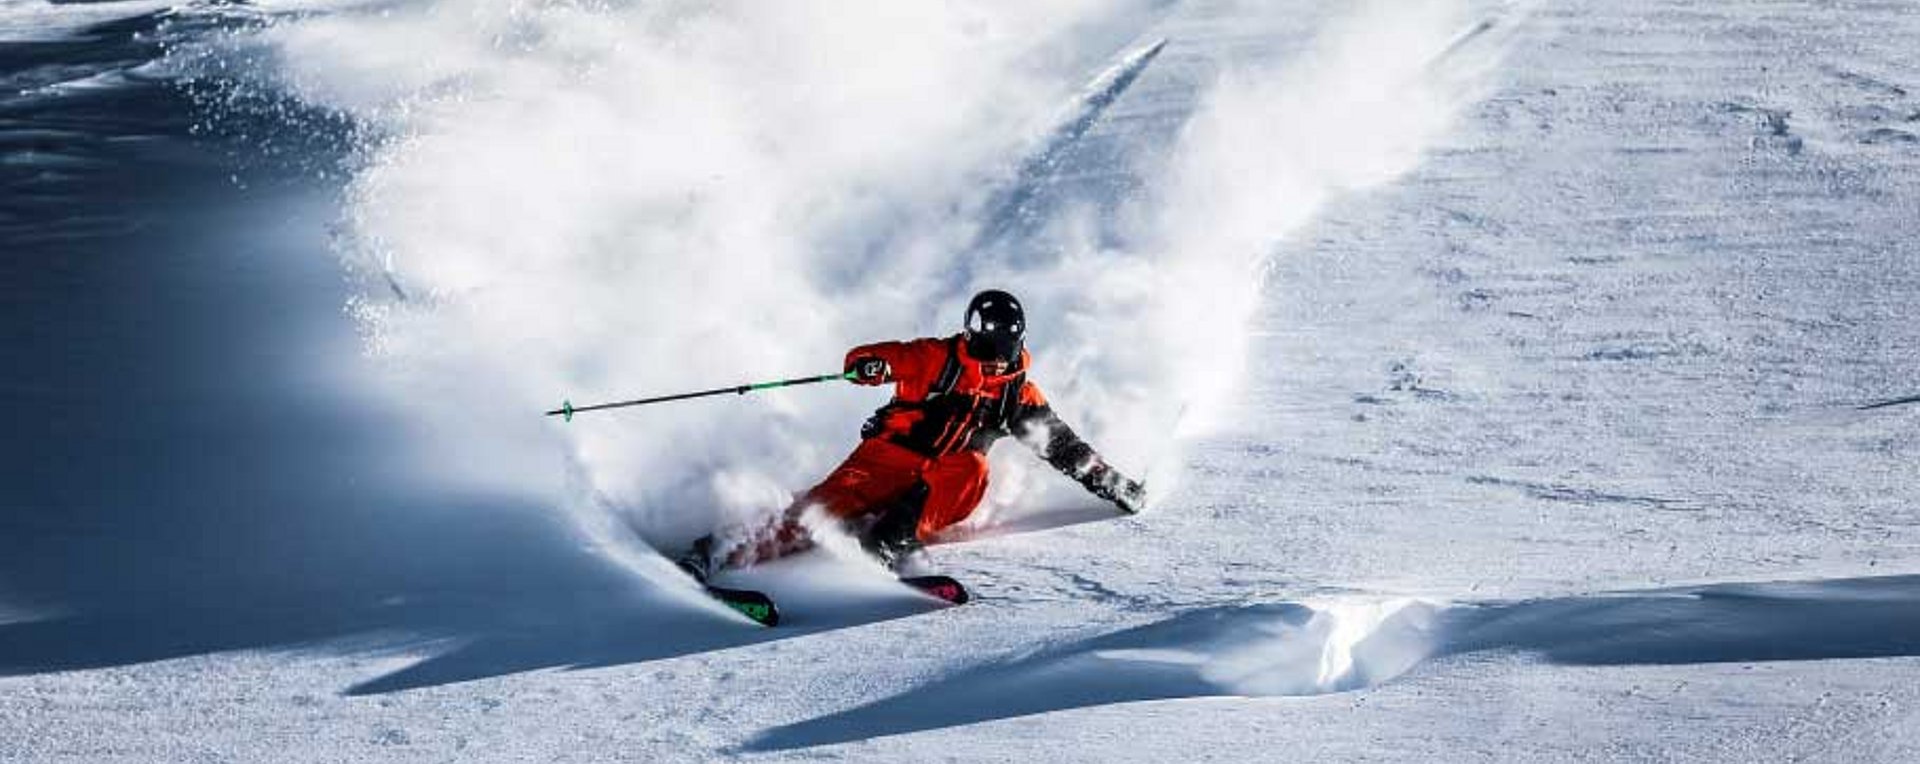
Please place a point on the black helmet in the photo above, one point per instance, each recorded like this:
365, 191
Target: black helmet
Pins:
996, 326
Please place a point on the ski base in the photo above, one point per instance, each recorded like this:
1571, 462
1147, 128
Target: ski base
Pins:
939, 587
754, 605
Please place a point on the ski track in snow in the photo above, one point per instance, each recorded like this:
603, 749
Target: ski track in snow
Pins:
1582, 440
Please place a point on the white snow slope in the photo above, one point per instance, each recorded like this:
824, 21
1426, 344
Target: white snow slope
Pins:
1544, 444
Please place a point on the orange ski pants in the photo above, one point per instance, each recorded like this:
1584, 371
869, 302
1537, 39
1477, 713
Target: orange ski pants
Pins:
879, 471
874, 475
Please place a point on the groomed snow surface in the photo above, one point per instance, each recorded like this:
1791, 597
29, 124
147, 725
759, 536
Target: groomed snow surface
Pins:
1545, 445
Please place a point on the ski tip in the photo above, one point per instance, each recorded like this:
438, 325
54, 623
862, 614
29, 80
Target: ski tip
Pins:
943, 588
757, 607
764, 614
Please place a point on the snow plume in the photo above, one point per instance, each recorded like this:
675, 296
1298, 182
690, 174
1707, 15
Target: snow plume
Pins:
1272, 143
600, 200
1152, 332
606, 200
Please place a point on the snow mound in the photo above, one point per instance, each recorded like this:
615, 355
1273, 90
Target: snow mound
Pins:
1290, 649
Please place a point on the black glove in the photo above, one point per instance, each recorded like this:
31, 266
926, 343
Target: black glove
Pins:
868, 370
1107, 483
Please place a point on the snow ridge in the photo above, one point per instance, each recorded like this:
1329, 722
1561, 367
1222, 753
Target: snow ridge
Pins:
1290, 649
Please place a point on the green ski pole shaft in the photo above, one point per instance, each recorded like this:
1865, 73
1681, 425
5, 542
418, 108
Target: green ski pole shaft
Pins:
567, 409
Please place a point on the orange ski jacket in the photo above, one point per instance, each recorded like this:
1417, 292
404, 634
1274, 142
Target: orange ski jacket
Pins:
944, 402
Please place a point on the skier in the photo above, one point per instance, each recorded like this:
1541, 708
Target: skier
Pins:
921, 464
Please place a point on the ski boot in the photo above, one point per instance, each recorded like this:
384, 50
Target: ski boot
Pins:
895, 537
895, 540
698, 561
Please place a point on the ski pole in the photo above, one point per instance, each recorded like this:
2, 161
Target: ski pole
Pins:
567, 409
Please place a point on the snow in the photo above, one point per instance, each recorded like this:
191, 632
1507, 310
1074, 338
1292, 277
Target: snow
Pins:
26, 21
1542, 443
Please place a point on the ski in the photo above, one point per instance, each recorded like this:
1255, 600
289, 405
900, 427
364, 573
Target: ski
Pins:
697, 564
939, 587
754, 605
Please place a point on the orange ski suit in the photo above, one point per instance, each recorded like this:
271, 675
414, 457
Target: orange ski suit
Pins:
945, 413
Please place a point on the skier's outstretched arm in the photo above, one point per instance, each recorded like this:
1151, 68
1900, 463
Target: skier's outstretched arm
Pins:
1050, 437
